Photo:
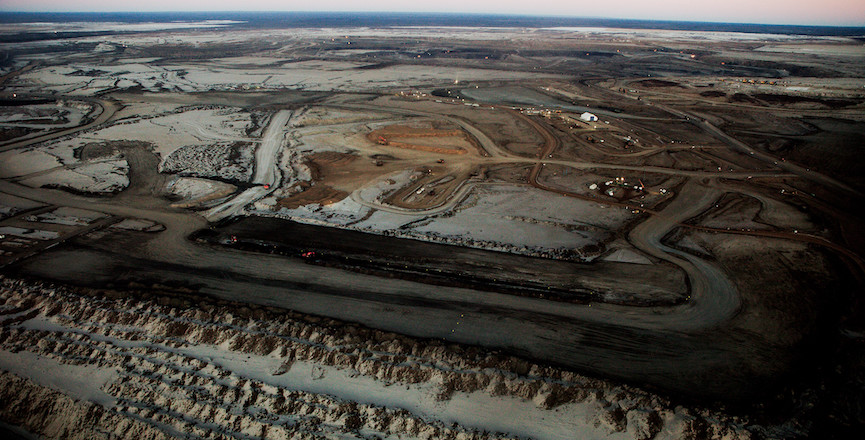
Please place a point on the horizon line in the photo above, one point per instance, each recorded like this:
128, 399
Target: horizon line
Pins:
443, 13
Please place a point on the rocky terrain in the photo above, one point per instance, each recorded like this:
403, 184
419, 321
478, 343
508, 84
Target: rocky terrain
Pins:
101, 364
224, 161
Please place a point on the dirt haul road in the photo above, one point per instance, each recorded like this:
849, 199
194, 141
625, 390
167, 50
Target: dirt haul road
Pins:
266, 171
108, 109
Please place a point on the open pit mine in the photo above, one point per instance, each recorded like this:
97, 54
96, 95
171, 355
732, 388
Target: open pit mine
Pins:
245, 229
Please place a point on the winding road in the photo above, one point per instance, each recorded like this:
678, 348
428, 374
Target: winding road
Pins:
107, 111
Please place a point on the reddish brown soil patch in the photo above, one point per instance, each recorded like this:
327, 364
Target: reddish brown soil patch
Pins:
392, 134
319, 193
323, 164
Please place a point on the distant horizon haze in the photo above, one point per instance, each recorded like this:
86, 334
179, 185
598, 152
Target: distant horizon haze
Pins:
797, 12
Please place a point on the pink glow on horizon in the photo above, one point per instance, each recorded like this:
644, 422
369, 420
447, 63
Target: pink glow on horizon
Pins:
823, 12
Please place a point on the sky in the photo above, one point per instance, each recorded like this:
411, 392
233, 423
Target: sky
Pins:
812, 12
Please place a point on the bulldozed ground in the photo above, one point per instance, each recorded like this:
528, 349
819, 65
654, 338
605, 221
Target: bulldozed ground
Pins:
428, 139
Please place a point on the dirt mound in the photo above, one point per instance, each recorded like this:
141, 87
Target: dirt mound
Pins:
229, 161
157, 354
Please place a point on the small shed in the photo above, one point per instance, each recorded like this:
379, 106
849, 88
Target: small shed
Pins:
588, 117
